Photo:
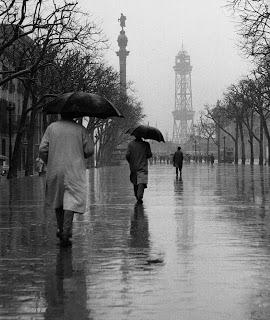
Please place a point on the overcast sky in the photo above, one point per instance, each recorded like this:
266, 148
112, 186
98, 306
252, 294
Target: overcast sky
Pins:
155, 31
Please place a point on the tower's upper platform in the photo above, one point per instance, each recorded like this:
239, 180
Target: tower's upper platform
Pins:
182, 63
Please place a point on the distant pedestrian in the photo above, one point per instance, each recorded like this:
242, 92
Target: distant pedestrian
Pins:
178, 161
64, 147
212, 158
138, 152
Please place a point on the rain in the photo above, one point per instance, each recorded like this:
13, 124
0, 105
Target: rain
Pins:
134, 160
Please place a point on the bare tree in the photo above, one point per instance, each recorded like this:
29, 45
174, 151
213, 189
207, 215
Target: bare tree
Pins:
254, 26
60, 29
30, 28
207, 130
222, 119
261, 87
235, 113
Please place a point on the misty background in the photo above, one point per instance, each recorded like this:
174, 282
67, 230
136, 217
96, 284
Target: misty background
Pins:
156, 31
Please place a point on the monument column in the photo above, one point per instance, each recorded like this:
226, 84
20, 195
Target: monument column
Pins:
122, 54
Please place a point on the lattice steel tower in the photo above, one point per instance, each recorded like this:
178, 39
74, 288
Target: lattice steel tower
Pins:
183, 113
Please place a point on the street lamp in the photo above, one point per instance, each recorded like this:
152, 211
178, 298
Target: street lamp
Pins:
10, 108
224, 138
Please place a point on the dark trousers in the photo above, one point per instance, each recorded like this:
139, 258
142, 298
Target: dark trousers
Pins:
64, 220
139, 190
180, 171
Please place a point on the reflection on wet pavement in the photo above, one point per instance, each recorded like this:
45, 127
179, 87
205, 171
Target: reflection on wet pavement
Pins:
198, 248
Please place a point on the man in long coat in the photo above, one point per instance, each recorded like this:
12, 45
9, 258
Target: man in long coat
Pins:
64, 147
138, 153
178, 161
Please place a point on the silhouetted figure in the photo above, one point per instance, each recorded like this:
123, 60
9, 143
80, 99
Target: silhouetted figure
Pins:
122, 21
138, 153
178, 161
212, 158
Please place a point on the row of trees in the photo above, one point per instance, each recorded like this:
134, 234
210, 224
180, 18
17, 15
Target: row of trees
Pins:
52, 47
243, 112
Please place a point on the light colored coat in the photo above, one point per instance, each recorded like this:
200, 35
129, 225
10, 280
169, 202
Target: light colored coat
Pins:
137, 154
64, 147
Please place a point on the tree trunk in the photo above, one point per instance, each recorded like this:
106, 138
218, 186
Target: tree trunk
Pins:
236, 143
29, 165
251, 139
12, 173
266, 131
243, 149
261, 143
251, 148
207, 148
44, 122
218, 144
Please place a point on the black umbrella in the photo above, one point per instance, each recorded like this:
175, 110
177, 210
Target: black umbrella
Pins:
81, 104
146, 132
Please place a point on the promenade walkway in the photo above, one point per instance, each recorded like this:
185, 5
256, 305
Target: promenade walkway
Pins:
198, 249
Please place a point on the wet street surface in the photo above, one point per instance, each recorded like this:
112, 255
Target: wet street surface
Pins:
197, 249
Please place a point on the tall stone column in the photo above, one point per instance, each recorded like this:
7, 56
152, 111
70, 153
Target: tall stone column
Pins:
122, 53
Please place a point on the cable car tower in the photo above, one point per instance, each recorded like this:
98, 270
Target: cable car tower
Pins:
183, 113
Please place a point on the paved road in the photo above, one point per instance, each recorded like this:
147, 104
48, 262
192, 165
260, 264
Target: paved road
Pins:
197, 249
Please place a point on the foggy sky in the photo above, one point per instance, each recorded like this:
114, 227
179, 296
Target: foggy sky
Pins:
155, 31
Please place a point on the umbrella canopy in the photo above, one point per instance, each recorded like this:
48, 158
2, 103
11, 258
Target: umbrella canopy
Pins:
146, 132
81, 104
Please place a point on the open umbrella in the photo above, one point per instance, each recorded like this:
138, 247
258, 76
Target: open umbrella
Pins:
81, 104
146, 132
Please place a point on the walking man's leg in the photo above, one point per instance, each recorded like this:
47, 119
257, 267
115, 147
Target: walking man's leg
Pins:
67, 228
135, 187
140, 192
59, 213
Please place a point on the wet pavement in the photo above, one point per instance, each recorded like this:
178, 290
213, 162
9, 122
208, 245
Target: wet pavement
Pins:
198, 249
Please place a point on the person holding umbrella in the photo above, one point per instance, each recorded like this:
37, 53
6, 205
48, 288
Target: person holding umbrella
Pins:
64, 147
137, 155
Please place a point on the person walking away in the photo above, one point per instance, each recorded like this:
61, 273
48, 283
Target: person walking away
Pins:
178, 161
64, 147
212, 158
138, 153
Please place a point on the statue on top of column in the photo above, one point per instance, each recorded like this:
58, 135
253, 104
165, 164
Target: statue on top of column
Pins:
122, 20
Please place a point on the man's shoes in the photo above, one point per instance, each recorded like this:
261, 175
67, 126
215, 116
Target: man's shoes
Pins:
59, 234
65, 242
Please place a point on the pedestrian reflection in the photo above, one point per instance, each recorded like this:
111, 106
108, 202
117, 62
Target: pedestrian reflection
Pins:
178, 185
65, 290
139, 228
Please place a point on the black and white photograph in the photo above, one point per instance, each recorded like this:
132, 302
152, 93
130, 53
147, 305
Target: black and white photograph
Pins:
134, 160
